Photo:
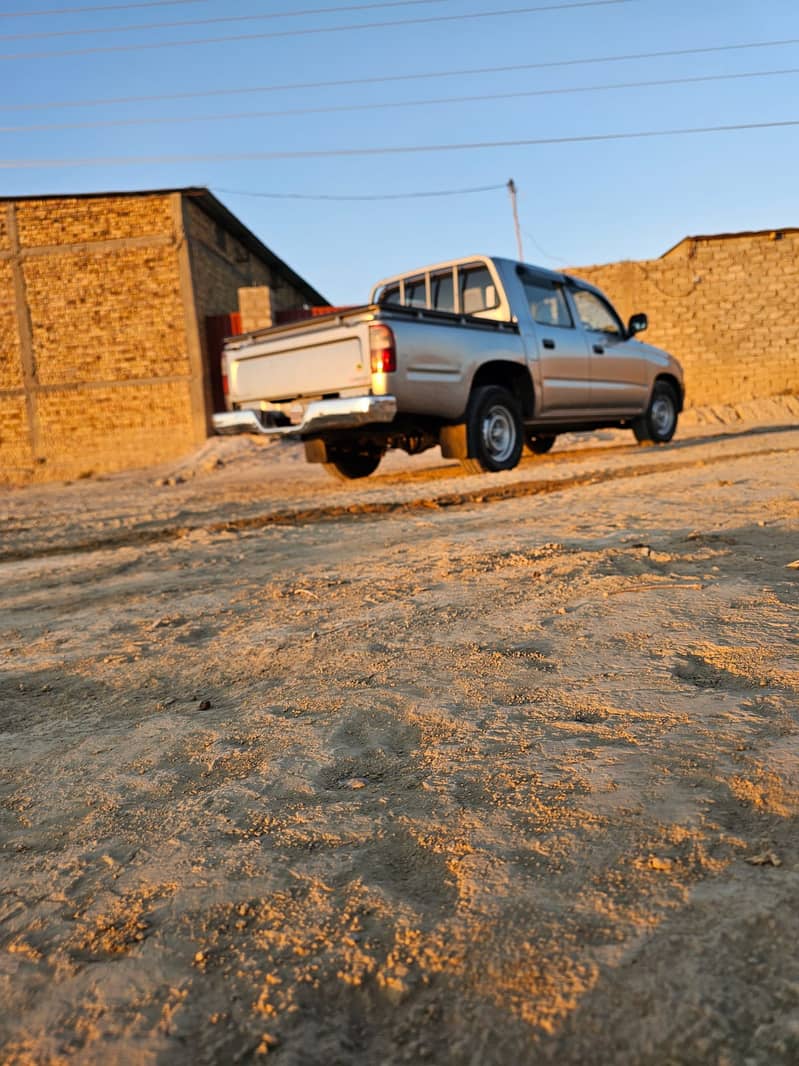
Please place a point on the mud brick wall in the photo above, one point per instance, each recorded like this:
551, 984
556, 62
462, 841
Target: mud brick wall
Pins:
725, 306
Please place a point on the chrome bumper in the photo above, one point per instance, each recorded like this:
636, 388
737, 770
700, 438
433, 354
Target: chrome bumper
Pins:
346, 413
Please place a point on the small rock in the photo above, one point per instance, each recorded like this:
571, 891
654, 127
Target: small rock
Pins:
204, 705
765, 858
656, 863
354, 783
212, 464
268, 1043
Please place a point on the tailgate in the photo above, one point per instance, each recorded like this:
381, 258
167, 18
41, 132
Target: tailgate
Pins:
305, 366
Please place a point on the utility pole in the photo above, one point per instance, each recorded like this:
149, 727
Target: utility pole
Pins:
512, 191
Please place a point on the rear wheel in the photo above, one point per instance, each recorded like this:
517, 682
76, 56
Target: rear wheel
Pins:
538, 444
659, 422
350, 465
494, 430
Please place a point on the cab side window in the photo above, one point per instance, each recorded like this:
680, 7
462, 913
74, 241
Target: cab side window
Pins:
548, 306
595, 314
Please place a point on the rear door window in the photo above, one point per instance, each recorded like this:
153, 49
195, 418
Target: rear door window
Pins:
477, 290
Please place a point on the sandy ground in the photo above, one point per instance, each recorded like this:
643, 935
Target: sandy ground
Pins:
429, 768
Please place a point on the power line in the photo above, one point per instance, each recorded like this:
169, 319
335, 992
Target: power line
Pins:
293, 112
386, 78
419, 149
41, 35
376, 196
316, 30
101, 7
538, 248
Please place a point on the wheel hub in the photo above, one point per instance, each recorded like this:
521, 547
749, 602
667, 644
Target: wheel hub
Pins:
498, 433
662, 415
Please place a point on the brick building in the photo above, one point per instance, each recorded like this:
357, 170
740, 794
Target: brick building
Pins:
109, 310
725, 305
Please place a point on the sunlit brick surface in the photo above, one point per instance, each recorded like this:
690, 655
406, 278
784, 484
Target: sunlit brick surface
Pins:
16, 460
109, 335
85, 431
45, 223
106, 316
10, 365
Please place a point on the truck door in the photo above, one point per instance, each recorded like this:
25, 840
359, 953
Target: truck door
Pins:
562, 349
618, 373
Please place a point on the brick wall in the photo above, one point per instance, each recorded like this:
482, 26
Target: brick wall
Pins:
725, 306
221, 265
95, 374
103, 302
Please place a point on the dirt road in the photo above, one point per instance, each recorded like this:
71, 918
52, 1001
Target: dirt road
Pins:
429, 769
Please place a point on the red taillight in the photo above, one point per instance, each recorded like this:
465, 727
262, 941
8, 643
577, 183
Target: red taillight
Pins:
382, 350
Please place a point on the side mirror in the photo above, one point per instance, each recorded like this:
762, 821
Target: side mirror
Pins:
637, 324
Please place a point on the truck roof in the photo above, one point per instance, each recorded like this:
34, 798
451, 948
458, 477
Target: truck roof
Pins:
502, 265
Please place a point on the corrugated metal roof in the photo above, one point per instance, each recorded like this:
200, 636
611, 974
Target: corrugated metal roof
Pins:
213, 207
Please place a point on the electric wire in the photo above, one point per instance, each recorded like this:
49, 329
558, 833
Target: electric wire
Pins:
95, 7
359, 199
43, 34
382, 79
389, 150
294, 112
315, 30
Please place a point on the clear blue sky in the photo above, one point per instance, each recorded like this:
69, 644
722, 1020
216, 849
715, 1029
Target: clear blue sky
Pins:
580, 203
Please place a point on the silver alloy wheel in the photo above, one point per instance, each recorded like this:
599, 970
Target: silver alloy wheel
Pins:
498, 433
662, 415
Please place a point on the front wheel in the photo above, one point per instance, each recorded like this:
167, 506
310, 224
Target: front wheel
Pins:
350, 465
494, 430
659, 422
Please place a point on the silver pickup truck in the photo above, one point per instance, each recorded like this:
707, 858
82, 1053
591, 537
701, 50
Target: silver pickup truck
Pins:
479, 356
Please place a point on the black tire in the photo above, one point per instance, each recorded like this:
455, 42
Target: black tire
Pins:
494, 430
658, 424
351, 465
539, 444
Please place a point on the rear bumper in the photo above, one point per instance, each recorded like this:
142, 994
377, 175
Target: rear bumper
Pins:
346, 413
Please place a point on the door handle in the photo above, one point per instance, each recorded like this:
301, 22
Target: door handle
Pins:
548, 342
599, 349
